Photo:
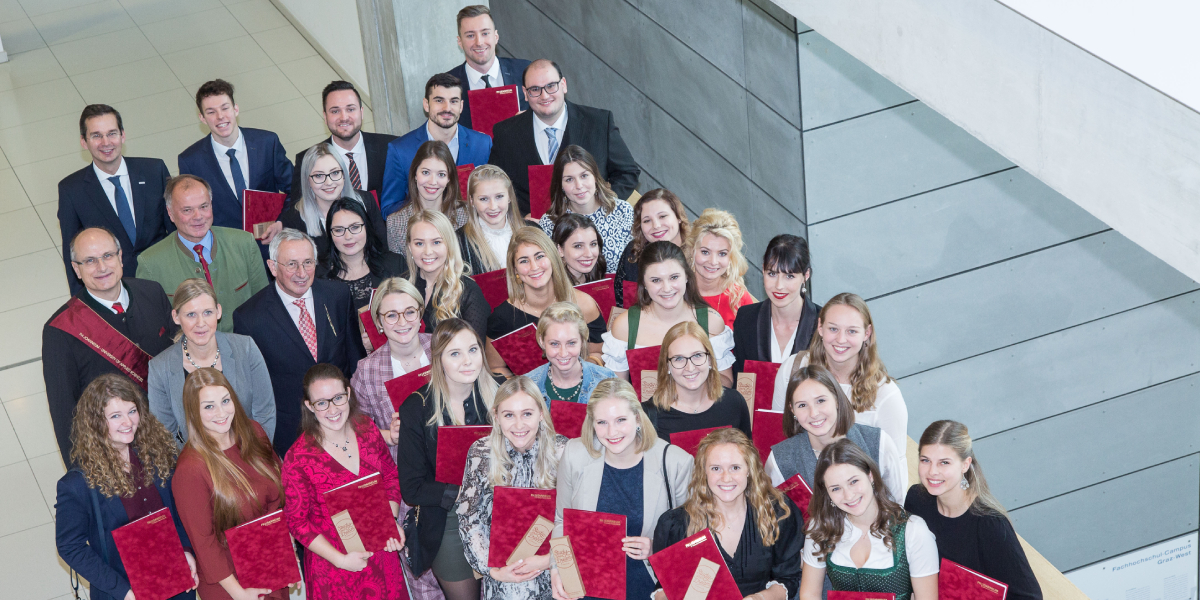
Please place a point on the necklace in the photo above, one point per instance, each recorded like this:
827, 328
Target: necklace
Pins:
564, 394
344, 447
188, 356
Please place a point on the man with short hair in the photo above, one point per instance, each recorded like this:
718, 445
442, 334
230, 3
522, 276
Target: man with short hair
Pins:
228, 259
535, 136
478, 38
443, 106
111, 325
298, 322
121, 193
364, 153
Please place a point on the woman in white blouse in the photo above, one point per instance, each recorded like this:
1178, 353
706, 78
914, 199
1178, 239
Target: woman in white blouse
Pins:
845, 343
898, 555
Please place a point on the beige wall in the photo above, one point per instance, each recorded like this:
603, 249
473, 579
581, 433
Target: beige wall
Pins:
332, 27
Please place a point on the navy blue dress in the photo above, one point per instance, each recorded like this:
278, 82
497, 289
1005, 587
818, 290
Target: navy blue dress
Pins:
621, 494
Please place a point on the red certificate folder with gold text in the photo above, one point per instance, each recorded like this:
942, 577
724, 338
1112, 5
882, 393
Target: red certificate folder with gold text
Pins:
153, 556
262, 553
797, 489
259, 210
539, 189
864, 596
492, 105
689, 441
514, 510
520, 350
568, 417
643, 370
768, 431
494, 285
596, 540
464, 176
454, 441
369, 509
756, 383
400, 388
956, 582
602, 292
694, 561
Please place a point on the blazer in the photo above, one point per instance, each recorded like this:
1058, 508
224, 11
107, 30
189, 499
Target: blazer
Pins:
593, 129
265, 318
87, 546
82, 203
270, 171
473, 149
376, 147
752, 332
512, 70
241, 363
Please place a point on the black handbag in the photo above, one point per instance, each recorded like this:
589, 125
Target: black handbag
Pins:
418, 563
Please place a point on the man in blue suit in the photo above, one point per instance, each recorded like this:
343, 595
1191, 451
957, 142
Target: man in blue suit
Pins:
477, 38
234, 159
443, 106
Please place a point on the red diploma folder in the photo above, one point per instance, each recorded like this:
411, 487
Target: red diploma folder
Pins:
756, 383
494, 285
375, 195
369, 509
797, 489
678, 567
629, 293
539, 192
690, 440
643, 370
956, 582
492, 105
453, 443
520, 350
517, 509
568, 417
259, 210
378, 339
153, 556
400, 388
464, 174
602, 292
596, 540
863, 596
768, 431
262, 553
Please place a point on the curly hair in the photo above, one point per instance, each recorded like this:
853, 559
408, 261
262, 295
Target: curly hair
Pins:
763, 498
870, 373
723, 225
827, 520
102, 465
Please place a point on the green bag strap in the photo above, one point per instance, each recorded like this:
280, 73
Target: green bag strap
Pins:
702, 317
635, 315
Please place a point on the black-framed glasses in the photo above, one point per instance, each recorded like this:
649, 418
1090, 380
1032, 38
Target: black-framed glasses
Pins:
534, 91
334, 175
699, 359
392, 317
92, 262
338, 400
339, 231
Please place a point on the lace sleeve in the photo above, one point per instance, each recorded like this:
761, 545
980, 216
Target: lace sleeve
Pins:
475, 506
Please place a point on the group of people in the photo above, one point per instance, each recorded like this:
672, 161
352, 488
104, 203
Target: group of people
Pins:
222, 376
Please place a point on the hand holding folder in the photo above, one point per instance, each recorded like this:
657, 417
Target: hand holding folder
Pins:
956, 582
596, 541
259, 211
602, 292
522, 521
693, 569
400, 388
262, 552
362, 514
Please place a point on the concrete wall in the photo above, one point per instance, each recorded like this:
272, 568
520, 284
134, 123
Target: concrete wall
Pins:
332, 27
1065, 347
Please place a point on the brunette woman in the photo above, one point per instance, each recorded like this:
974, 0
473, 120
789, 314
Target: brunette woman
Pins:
435, 267
578, 186
689, 394
568, 376
581, 248
354, 253
713, 245
784, 323
492, 217
322, 182
432, 186
658, 216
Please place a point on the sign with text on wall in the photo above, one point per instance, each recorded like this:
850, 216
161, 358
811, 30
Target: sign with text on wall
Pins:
1164, 571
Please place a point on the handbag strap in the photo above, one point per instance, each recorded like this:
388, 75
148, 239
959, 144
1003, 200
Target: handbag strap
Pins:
667, 480
94, 495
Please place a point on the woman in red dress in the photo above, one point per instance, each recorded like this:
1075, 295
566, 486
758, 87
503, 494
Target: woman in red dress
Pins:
338, 444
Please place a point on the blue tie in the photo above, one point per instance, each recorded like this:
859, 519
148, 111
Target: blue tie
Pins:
123, 212
551, 132
235, 167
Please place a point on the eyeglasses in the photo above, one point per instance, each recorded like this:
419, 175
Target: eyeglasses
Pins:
338, 400
92, 262
699, 359
339, 231
536, 90
392, 317
293, 266
334, 175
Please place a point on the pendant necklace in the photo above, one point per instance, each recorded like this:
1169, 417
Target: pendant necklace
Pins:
344, 447
188, 356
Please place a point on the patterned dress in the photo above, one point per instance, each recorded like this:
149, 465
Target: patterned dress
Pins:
616, 230
475, 516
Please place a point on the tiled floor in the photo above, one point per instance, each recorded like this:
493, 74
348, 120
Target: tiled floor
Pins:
146, 58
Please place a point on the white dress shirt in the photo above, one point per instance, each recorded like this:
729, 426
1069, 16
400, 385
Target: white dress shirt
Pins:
475, 78
398, 367
242, 156
778, 355
111, 191
123, 299
543, 142
293, 310
360, 160
920, 548
452, 144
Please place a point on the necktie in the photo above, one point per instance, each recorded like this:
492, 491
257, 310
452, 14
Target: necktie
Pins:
117, 307
124, 213
486, 82
199, 248
355, 178
308, 330
235, 167
551, 132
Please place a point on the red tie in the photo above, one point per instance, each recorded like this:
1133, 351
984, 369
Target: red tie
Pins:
308, 330
199, 248
117, 307
355, 178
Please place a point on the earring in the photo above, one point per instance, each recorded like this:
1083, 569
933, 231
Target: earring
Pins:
963, 483
638, 430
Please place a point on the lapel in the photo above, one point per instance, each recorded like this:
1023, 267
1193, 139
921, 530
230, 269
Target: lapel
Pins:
652, 477
283, 320
764, 331
464, 144
506, 72
96, 195
574, 127
217, 179
257, 156
321, 318
376, 158
137, 187
526, 143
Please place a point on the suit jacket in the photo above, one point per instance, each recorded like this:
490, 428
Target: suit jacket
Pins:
82, 203
752, 332
69, 365
265, 318
270, 171
593, 129
473, 149
511, 69
376, 145
236, 269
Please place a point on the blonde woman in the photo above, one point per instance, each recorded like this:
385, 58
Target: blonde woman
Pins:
492, 217
323, 177
713, 247
433, 186
568, 376
690, 395
435, 267
578, 186
758, 529
522, 451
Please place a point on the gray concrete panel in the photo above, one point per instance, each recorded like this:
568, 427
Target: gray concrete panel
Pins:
771, 73
779, 14
776, 157
1113, 517
888, 155
943, 232
708, 27
839, 87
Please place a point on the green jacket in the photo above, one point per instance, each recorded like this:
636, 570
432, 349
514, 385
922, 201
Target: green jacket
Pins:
237, 268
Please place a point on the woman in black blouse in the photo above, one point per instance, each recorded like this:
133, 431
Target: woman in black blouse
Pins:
783, 324
757, 528
690, 395
435, 266
354, 253
971, 526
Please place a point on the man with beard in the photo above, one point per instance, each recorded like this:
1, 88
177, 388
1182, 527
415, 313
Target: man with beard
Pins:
443, 106
477, 38
363, 152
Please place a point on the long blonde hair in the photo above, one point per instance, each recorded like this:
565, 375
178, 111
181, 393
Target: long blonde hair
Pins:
763, 498
102, 466
545, 466
870, 373
448, 288
617, 389
473, 229
439, 389
723, 225
534, 236
954, 435
667, 393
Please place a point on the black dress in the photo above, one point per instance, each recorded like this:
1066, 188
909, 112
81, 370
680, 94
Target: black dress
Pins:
984, 543
472, 306
507, 318
730, 410
393, 265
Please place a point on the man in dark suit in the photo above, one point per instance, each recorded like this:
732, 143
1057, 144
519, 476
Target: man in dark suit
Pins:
122, 194
234, 159
365, 153
135, 308
443, 105
534, 136
298, 322
477, 38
